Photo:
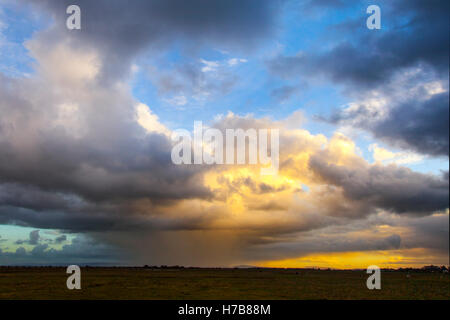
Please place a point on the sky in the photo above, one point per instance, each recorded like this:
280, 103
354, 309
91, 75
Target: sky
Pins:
86, 118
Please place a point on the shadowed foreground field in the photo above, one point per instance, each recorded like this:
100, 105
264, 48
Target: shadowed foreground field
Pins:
140, 283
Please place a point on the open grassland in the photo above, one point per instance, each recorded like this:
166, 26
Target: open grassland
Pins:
289, 284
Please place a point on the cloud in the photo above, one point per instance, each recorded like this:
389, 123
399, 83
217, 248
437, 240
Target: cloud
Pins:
33, 238
81, 149
422, 127
155, 24
209, 66
417, 35
114, 181
61, 239
149, 121
408, 57
195, 81
418, 124
387, 157
391, 188
235, 61
81, 154
96, 144
82, 250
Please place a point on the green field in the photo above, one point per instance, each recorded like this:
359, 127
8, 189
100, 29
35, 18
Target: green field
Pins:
140, 283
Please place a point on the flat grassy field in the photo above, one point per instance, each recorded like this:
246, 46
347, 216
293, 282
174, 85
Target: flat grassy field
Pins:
286, 284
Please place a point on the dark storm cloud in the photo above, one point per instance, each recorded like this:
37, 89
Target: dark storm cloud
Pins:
422, 232
422, 126
110, 216
392, 188
113, 163
431, 232
91, 177
139, 22
99, 176
31, 206
114, 160
391, 242
365, 58
414, 34
17, 195
121, 29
